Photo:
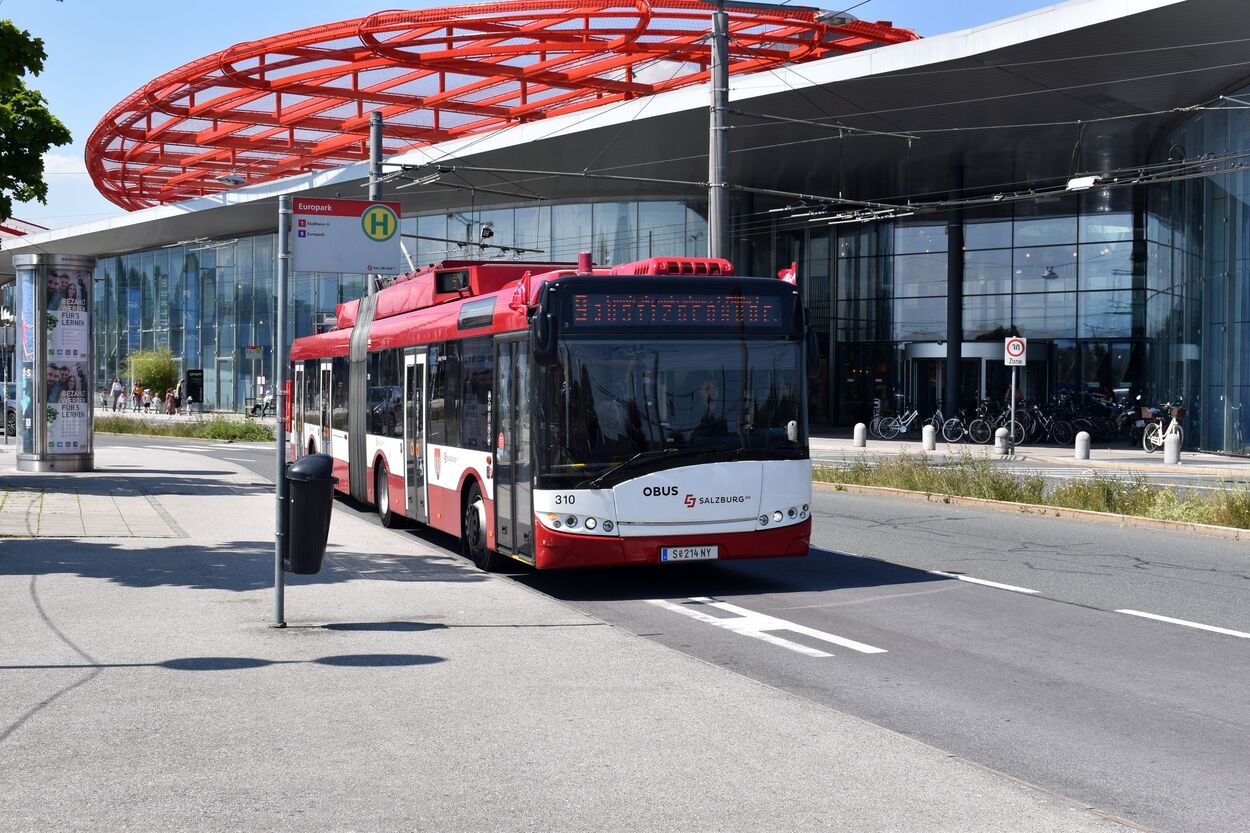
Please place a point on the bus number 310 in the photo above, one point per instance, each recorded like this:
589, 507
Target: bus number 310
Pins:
566, 500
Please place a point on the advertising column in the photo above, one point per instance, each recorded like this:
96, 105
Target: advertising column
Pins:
55, 394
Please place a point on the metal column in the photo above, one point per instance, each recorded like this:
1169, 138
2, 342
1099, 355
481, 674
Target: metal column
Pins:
280, 354
718, 143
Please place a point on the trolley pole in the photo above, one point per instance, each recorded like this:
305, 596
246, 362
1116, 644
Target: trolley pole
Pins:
375, 173
718, 143
280, 355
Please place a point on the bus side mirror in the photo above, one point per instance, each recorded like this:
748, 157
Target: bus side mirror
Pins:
543, 336
813, 355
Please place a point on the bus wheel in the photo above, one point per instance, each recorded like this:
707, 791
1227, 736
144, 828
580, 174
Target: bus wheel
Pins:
473, 540
382, 497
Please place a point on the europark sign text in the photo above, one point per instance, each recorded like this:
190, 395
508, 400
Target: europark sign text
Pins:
350, 236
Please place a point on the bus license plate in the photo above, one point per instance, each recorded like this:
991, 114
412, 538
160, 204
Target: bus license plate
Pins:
689, 553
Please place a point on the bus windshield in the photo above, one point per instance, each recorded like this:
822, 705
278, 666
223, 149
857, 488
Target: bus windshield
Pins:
623, 404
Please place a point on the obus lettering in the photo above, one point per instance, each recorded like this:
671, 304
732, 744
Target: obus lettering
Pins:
659, 491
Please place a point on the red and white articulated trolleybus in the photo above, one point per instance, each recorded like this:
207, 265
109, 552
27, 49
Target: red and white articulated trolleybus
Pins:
565, 415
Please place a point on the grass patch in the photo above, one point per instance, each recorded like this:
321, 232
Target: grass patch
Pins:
213, 428
974, 476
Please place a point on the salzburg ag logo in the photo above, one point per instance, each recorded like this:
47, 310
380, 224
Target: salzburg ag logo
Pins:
689, 501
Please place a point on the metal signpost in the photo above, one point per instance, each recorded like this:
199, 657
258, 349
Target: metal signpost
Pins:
279, 430
1014, 350
319, 235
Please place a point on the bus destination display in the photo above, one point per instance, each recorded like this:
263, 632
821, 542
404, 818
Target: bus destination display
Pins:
611, 309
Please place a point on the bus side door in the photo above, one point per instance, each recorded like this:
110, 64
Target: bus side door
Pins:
514, 508
296, 404
324, 446
414, 436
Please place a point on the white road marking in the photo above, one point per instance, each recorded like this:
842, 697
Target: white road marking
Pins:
761, 626
1186, 623
972, 580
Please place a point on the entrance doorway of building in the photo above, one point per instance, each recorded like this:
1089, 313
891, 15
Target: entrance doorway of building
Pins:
225, 384
982, 375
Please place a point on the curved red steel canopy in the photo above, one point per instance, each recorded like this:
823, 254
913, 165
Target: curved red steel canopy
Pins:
301, 101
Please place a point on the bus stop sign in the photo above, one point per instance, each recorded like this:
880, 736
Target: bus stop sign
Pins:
1014, 350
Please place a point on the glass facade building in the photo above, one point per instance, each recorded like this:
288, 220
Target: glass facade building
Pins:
1128, 290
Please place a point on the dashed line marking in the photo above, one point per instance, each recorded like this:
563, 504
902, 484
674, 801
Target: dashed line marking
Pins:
1187, 623
982, 581
762, 626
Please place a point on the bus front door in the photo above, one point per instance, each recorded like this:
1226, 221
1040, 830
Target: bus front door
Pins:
514, 509
414, 436
323, 446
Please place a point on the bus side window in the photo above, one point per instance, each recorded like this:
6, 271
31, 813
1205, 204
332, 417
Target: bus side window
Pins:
312, 395
477, 379
338, 394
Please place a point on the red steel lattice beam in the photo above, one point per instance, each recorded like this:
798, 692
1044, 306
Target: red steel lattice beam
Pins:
301, 101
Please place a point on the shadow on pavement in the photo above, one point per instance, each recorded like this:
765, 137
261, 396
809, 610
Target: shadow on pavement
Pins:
393, 627
237, 565
821, 570
244, 663
137, 481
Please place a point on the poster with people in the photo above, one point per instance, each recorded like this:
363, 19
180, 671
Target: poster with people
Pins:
68, 418
69, 352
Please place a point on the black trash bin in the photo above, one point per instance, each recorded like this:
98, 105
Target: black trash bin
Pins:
311, 483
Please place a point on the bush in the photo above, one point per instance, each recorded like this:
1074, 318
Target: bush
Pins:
155, 369
214, 428
976, 476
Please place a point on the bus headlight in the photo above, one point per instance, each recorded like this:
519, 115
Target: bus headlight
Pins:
591, 523
792, 511
571, 520
763, 520
777, 516
607, 526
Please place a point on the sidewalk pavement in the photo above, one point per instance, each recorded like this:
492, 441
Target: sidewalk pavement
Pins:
141, 689
1122, 458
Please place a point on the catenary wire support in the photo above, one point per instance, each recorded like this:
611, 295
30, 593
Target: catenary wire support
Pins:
718, 141
280, 538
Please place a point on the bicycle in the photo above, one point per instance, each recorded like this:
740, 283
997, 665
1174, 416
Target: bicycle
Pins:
893, 426
955, 429
981, 430
1154, 436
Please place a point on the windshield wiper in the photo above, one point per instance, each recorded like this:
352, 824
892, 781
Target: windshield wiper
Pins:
644, 457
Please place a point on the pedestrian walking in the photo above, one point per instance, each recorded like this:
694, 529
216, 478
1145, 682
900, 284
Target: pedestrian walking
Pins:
136, 396
147, 400
169, 402
116, 391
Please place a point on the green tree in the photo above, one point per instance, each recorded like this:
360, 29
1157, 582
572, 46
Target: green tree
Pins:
155, 369
27, 128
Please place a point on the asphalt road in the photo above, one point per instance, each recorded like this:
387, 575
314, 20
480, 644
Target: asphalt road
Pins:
1022, 643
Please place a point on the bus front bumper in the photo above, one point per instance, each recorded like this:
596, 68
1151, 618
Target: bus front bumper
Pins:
554, 549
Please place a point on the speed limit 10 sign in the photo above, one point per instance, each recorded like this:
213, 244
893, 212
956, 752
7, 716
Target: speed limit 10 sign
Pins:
1014, 350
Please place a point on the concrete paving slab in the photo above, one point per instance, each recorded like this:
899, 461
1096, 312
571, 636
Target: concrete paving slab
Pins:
143, 690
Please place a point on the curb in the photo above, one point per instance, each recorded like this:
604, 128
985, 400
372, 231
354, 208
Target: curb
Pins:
1228, 533
849, 455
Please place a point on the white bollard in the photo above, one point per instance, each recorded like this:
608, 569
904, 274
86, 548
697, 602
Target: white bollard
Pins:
928, 436
1000, 440
1172, 450
861, 435
1082, 445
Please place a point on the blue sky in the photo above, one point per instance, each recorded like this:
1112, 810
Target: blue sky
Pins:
100, 51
